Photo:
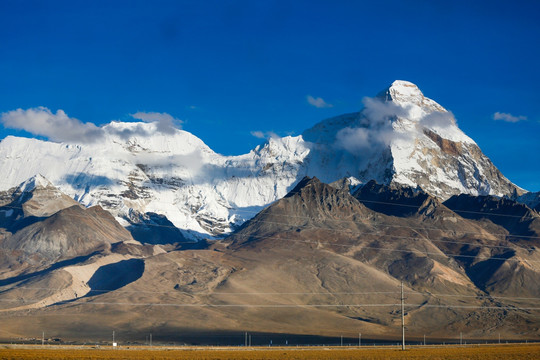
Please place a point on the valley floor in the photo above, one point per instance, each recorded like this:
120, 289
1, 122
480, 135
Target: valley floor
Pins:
479, 352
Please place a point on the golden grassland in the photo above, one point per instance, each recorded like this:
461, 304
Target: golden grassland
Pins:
476, 352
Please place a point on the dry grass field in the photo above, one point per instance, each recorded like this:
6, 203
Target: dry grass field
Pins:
531, 351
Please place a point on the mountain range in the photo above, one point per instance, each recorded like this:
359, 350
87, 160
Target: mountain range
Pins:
305, 235
134, 171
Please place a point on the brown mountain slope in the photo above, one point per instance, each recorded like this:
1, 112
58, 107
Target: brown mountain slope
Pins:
69, 233
317, 262
50, 256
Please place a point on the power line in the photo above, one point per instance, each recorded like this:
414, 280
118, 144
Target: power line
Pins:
453, 210
380, 248
441, 253
388, 249
421, 236
361, 233
220, 293
406, 226
489, 297
402, 318
360, 200
203, 305
513, 308
418, 293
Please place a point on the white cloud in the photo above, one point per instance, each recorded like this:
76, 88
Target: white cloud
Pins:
374, 131
59, 127
354, 139
258, 134
165, 122
379, 111
265, 134
136, 129
438, 119
318, 102
508, 117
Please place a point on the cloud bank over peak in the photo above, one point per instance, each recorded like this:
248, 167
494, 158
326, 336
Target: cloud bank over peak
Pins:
374, 130
165, 122
59, 127
264, 135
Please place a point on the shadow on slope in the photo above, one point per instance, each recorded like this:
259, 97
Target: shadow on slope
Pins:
20, 223
58, 265
396, 200
518, 219
155, 229
83, 181
115, 276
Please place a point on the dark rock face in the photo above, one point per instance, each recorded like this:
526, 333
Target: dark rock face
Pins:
518, 219
447, 146
152, 228
395, 200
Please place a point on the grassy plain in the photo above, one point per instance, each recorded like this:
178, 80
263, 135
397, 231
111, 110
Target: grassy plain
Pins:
531, 351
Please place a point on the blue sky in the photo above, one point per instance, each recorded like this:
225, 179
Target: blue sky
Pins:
230, 68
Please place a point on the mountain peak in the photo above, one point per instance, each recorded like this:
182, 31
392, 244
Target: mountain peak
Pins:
35, 182
402, 91
404, 87
306, 180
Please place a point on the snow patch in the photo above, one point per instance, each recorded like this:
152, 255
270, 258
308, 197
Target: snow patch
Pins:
35, 182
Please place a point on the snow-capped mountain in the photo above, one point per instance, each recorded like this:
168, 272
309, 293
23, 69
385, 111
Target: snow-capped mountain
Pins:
399, 137
175, 175
403, 137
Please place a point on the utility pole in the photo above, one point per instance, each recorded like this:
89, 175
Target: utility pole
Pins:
424, 339
402, 319
150, 340
245, 340
341, 340
460, 338
113, 343
43, 338
359, 339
